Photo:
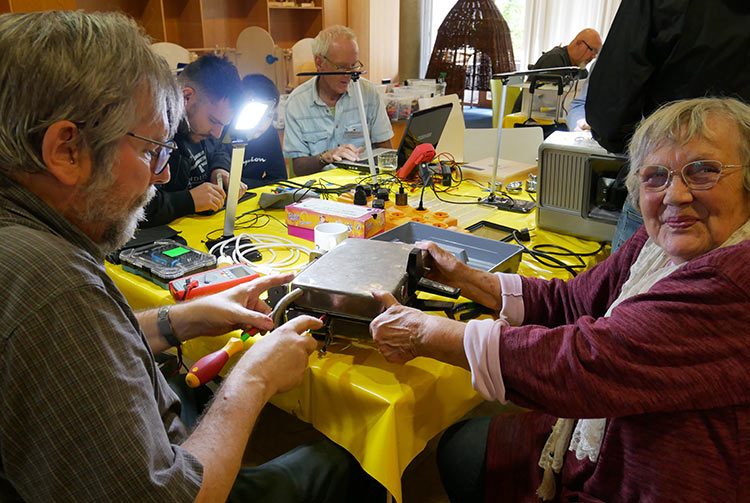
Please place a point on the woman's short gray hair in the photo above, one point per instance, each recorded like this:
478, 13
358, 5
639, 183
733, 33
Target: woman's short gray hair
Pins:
322, 43
680, 122
89, 68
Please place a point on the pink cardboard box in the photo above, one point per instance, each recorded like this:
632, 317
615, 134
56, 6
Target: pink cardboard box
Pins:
363, 221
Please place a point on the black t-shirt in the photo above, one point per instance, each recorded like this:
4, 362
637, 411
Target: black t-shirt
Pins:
663, 50
264, 162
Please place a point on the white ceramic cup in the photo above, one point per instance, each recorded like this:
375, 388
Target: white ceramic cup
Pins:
330, 234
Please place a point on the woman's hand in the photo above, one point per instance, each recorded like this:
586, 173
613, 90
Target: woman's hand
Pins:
239, 307
479, 286
446, 268
399, 330
402, 333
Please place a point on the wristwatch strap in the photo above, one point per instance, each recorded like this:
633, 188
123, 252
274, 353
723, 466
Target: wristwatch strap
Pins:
165, 327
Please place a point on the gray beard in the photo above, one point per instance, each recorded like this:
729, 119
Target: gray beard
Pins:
121, 224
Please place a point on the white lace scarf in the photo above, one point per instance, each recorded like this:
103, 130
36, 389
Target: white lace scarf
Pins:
586, 439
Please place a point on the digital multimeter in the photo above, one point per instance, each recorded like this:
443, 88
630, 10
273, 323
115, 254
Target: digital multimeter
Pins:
207, 282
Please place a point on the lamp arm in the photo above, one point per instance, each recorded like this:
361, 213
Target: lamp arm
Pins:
501, 114
235, 174
365, 128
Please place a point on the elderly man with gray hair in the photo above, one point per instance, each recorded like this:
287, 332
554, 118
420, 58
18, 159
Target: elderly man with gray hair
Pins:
87, 113
323, 125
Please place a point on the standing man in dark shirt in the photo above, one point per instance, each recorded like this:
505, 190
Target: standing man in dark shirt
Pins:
680, 49
211, 90
579, 52
264, 161
659, 51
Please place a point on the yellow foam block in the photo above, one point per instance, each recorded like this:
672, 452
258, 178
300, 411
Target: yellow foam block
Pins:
397, 215
507, 171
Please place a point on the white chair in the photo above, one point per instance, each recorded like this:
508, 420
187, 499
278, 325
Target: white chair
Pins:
302, 60
173, 53
518, 144
452, 139
257, 53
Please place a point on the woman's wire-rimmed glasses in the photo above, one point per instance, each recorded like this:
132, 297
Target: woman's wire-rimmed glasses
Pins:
697, 175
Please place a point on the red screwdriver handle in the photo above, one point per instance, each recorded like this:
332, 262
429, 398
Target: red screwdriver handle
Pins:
210, 365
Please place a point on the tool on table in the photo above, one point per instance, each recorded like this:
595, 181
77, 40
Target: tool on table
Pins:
210, 365
212, 281
165, 260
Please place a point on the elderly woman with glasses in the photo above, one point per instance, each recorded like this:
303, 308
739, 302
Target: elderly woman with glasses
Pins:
646, 356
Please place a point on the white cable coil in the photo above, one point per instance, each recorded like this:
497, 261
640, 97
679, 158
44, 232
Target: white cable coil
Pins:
236, 249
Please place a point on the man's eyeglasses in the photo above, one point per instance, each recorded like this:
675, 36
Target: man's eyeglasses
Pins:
160, 155
697, 175
346, 68
594, 51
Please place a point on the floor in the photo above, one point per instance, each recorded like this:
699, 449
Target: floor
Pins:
277, 432
477, 117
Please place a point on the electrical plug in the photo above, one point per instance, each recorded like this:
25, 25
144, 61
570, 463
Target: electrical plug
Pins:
523, 234
402, 198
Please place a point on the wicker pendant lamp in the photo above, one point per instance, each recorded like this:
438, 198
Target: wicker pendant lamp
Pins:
472, 44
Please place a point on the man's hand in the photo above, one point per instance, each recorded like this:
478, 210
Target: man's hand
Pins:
279, 358
223, 175
207, 197
582, 125
239, 307
343, 152
274, 363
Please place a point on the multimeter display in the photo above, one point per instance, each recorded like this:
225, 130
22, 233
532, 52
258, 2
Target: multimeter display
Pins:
212, 281
237, 272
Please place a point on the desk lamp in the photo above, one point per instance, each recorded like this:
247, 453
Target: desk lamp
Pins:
516, 78
362, 115
238, 134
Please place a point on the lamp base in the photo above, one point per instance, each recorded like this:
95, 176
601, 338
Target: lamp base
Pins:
493, 199
508, 203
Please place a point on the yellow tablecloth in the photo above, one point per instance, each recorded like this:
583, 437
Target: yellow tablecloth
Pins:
383, 414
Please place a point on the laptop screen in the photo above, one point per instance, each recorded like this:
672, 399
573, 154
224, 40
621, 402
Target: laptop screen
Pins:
424, 126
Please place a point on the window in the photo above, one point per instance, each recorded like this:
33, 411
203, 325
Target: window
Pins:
514, 12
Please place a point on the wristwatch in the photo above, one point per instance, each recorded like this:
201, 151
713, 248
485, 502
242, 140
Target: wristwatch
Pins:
165, 326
